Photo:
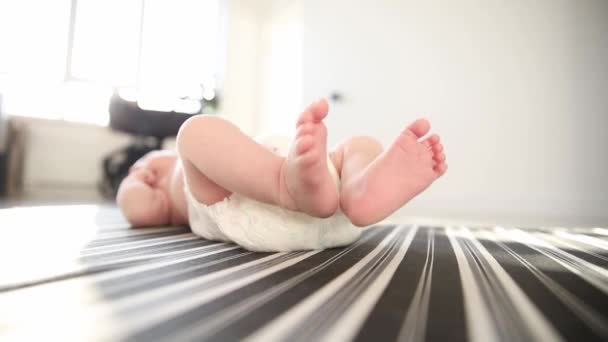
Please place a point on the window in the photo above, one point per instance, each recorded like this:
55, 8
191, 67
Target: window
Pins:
62, 59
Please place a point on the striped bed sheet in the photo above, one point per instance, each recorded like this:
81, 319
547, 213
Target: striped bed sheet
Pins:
397, 283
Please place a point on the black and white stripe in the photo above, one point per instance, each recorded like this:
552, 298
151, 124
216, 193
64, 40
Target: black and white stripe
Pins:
397, 283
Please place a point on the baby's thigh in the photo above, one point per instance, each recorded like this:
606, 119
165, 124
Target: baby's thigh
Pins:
202, 188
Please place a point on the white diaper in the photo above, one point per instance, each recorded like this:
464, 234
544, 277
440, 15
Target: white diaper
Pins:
262, 227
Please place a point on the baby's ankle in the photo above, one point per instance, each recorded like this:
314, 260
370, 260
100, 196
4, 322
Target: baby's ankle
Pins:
284, 198
355, 208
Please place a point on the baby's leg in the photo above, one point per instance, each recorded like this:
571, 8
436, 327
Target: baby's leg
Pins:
219, 159
307, 179
375, 183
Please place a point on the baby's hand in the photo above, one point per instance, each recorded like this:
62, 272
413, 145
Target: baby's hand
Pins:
153, 166
144, 175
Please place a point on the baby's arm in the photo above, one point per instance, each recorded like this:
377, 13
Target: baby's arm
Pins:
140, 203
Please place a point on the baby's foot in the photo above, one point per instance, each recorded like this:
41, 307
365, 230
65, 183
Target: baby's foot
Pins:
310, 187
396, 176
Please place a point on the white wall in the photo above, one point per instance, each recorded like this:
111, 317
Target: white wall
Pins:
263, 85
240, 84
61, 153
280, 77
518, 91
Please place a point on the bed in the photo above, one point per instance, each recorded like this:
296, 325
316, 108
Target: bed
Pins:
79, 273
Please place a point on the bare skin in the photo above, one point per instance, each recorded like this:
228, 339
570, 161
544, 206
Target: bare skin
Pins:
310, 187
217, 159
373, 190
152, 194
375, 183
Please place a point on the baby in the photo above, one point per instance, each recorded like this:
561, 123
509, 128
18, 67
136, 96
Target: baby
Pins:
215, 159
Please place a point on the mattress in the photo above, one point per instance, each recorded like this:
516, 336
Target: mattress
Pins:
87, 276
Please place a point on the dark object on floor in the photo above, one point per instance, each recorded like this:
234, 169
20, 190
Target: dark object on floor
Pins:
12, 148
116, 165
395, 283
3, 169
126, 116
149, 128
3, 152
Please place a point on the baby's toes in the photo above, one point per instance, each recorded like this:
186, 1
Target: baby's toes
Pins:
440, 168
304, 144
439, 157
431, 141
319, 109
437, 148
439, 163
305, 117
305, 129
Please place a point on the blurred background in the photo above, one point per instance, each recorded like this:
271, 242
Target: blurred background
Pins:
518, 91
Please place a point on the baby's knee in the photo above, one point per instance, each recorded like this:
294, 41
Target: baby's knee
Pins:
197, 130
364, 142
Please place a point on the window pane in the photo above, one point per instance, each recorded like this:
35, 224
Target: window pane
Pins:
180, 45
72, 101
33, 38
106, 41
